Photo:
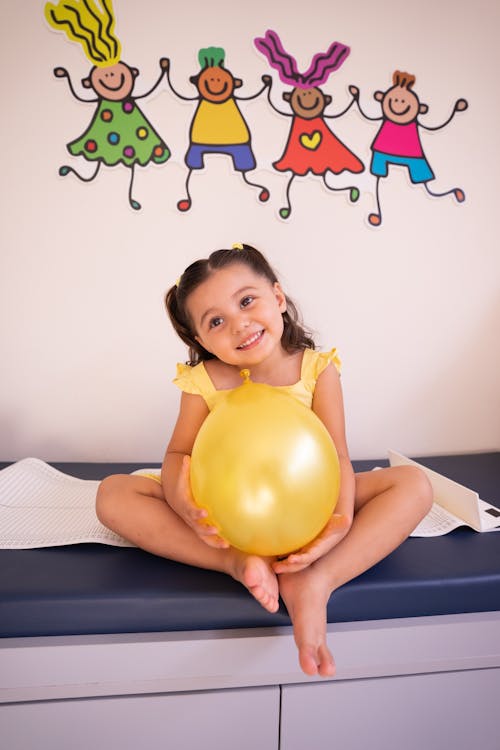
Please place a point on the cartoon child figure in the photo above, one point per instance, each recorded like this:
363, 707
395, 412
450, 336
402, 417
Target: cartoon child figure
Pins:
119, 131
311, 146
398, 139
218, 126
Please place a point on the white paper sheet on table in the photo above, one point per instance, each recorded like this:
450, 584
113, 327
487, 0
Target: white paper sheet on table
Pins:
43, 507
454, 505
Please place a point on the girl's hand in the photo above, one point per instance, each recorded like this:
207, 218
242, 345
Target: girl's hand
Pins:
185, 506
334, 531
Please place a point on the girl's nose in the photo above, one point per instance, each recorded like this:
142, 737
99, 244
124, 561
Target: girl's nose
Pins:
240, 322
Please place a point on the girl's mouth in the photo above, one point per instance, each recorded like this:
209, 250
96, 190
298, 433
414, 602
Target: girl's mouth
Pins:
251, 341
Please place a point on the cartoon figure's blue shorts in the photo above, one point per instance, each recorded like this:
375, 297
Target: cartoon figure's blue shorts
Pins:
243, 158
419, 168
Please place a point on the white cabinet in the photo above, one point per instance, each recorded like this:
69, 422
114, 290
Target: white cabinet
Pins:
451, 709
213, 720
406, 684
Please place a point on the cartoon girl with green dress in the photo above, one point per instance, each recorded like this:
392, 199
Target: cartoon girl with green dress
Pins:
119, 132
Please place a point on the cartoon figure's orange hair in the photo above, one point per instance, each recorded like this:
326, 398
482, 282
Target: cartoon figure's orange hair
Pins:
405, 80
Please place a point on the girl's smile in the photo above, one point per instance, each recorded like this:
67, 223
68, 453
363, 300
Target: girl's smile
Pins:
252, 341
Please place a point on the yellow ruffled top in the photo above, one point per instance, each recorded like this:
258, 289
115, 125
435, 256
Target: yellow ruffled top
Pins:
196, 379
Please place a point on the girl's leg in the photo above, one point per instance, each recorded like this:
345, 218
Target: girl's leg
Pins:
389, 504
264, 192
375, 219
457, 193
135, 508
133, 203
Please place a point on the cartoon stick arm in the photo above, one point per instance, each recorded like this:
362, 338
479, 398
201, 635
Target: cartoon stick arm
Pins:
354, 100
63, 73
354, 91
165, 65
460, 106
266, 81
272, 104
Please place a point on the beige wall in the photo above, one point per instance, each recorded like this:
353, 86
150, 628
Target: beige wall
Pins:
86, 351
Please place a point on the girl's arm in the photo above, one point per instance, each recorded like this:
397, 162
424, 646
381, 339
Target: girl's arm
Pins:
175, 469
266, 81
339, 114
273, 106
354, 91
460, 106
328, 405
63, 73
164, 63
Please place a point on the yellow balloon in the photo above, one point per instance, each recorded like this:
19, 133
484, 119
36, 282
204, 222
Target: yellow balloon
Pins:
266, 469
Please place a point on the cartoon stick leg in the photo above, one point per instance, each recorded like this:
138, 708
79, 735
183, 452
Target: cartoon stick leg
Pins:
119, 131
311, 145
398, 139
218, 125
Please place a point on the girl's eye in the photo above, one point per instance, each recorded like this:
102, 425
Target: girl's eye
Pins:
246, 301
216, 322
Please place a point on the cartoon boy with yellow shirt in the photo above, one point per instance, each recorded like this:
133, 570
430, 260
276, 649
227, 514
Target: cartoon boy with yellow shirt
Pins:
218, 127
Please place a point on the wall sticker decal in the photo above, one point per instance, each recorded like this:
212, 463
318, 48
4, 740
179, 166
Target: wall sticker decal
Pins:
218, 126
119, 132
311, 145
398, 139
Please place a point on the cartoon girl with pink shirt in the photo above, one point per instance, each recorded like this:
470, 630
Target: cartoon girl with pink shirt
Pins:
398, 139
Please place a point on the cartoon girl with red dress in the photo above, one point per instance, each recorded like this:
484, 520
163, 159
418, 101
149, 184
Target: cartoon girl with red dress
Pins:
119, 131
311, 146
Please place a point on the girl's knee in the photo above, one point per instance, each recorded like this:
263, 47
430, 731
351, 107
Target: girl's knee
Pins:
108, 494
415, 483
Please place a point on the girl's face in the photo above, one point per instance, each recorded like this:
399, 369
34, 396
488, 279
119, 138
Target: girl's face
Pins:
400, 105
308, 103
114, 82
237, 315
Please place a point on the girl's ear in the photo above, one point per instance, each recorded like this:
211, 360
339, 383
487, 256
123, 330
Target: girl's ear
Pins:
280, 296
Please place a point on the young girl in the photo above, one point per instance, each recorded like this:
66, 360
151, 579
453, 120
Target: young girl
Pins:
232, 313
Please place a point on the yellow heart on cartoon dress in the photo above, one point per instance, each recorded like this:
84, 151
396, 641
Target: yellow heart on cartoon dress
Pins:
311, 140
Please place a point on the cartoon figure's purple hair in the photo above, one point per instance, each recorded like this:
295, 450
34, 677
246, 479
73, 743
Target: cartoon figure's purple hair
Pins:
317, 73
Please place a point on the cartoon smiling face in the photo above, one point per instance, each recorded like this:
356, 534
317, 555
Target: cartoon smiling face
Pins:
215, 84
307, 103
400, 105
114, 82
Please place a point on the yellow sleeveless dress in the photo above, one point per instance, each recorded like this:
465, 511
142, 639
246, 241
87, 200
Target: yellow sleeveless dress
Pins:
196, 380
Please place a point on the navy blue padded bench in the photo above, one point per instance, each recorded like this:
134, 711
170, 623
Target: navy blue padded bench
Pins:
92, 588
113, 647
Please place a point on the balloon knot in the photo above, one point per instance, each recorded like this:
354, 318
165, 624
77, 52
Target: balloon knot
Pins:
245, 374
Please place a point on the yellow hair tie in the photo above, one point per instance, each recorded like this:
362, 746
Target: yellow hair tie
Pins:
238, 246
178, 281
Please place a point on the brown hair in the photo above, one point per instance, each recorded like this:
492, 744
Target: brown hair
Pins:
405, 80
294, 337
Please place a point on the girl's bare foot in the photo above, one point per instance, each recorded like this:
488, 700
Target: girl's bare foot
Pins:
306, 598
258, 576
